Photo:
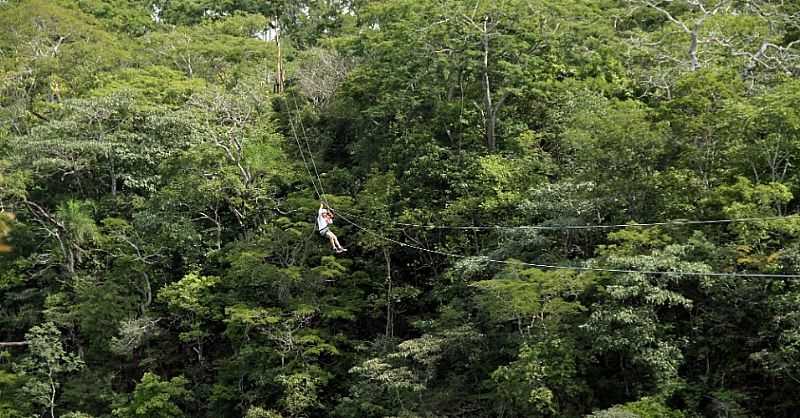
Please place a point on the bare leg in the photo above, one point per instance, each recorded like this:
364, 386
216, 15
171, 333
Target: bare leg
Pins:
335, 242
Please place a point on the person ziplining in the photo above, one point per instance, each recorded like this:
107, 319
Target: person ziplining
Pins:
325, 218
324, 221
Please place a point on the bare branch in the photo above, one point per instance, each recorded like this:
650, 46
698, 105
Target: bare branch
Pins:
666, 13
13, 344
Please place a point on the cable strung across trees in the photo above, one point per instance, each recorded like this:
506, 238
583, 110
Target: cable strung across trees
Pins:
554, 227
568, 227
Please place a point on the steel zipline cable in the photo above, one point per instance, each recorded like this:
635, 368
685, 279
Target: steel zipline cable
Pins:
568, 227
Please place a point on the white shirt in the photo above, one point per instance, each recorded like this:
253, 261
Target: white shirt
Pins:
322, 223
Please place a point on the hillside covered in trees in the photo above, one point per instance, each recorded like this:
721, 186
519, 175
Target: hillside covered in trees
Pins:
162, 163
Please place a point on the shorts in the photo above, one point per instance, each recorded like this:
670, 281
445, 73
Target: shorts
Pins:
324, 232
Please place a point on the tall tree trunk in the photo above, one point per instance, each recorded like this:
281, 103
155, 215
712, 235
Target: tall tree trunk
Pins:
693, 48
279, 76
52, 394
488, 108
69, 254
148, 293
389, 312
113, 177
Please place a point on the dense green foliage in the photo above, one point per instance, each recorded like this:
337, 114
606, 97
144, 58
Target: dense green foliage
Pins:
158, 256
